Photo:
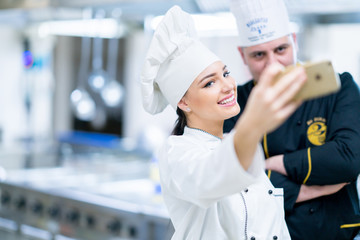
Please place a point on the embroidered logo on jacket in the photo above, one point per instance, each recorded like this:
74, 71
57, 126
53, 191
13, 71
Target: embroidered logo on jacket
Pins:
316, 132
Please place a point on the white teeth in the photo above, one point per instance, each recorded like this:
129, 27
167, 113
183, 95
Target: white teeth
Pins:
228, 100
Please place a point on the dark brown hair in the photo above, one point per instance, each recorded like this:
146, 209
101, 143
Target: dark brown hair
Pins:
180, 123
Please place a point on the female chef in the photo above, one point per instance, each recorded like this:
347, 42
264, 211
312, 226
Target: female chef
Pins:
214, 186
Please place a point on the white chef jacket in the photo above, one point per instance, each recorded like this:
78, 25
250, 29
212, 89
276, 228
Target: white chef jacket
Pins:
210, 196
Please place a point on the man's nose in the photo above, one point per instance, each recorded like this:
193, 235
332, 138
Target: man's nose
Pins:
271, 58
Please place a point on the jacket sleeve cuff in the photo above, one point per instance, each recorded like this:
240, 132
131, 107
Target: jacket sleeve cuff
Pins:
298, 165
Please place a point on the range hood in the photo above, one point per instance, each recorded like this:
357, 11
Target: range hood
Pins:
16, 4
294, 6
21, 12
18, 12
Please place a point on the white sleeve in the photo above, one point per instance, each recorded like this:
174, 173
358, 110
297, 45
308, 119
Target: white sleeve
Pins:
201, 176
257, 167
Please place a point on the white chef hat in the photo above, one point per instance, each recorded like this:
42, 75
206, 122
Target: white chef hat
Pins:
174, 59
260, 21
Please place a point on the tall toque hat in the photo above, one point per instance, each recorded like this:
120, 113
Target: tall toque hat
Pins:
260, 21
174, 59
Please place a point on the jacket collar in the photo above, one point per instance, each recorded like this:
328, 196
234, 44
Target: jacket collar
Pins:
198, 133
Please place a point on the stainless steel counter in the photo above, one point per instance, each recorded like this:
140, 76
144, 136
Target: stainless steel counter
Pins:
97, 201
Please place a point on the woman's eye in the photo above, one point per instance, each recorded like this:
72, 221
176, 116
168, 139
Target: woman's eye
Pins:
227, 73
208, 84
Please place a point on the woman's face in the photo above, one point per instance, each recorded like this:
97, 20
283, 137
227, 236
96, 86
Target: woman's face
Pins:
212, 96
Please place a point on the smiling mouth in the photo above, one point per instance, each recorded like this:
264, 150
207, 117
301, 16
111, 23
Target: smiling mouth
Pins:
228, 100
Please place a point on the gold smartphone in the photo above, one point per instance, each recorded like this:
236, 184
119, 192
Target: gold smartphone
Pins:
322, 80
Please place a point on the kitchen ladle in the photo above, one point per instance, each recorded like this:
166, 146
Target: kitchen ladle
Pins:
113, 91
98, 77
83, 105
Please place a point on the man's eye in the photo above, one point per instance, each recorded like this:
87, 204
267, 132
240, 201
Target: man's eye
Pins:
227, 73
258, 55
281, 49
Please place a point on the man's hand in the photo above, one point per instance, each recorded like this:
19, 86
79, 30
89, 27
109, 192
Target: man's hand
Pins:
276, 163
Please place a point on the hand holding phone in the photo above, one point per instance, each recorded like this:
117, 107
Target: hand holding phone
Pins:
322, 80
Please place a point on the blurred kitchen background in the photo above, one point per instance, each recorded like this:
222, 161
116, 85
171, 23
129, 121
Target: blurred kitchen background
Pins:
77, 150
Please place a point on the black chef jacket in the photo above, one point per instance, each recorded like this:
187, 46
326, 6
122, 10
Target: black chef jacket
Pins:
321, 145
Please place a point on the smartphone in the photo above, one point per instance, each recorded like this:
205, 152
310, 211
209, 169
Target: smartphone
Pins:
321, 80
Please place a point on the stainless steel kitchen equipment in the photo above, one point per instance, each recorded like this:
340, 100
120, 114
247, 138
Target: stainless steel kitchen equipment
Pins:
91, 197
83, 105
98, 77
113, 92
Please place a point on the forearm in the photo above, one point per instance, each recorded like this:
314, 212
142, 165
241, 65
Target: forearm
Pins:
307, 193
246, 140
315, 191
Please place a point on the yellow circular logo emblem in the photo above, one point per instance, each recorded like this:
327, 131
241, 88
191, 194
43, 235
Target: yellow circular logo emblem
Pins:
316, 133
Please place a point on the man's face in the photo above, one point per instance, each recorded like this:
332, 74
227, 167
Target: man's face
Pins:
281, 50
